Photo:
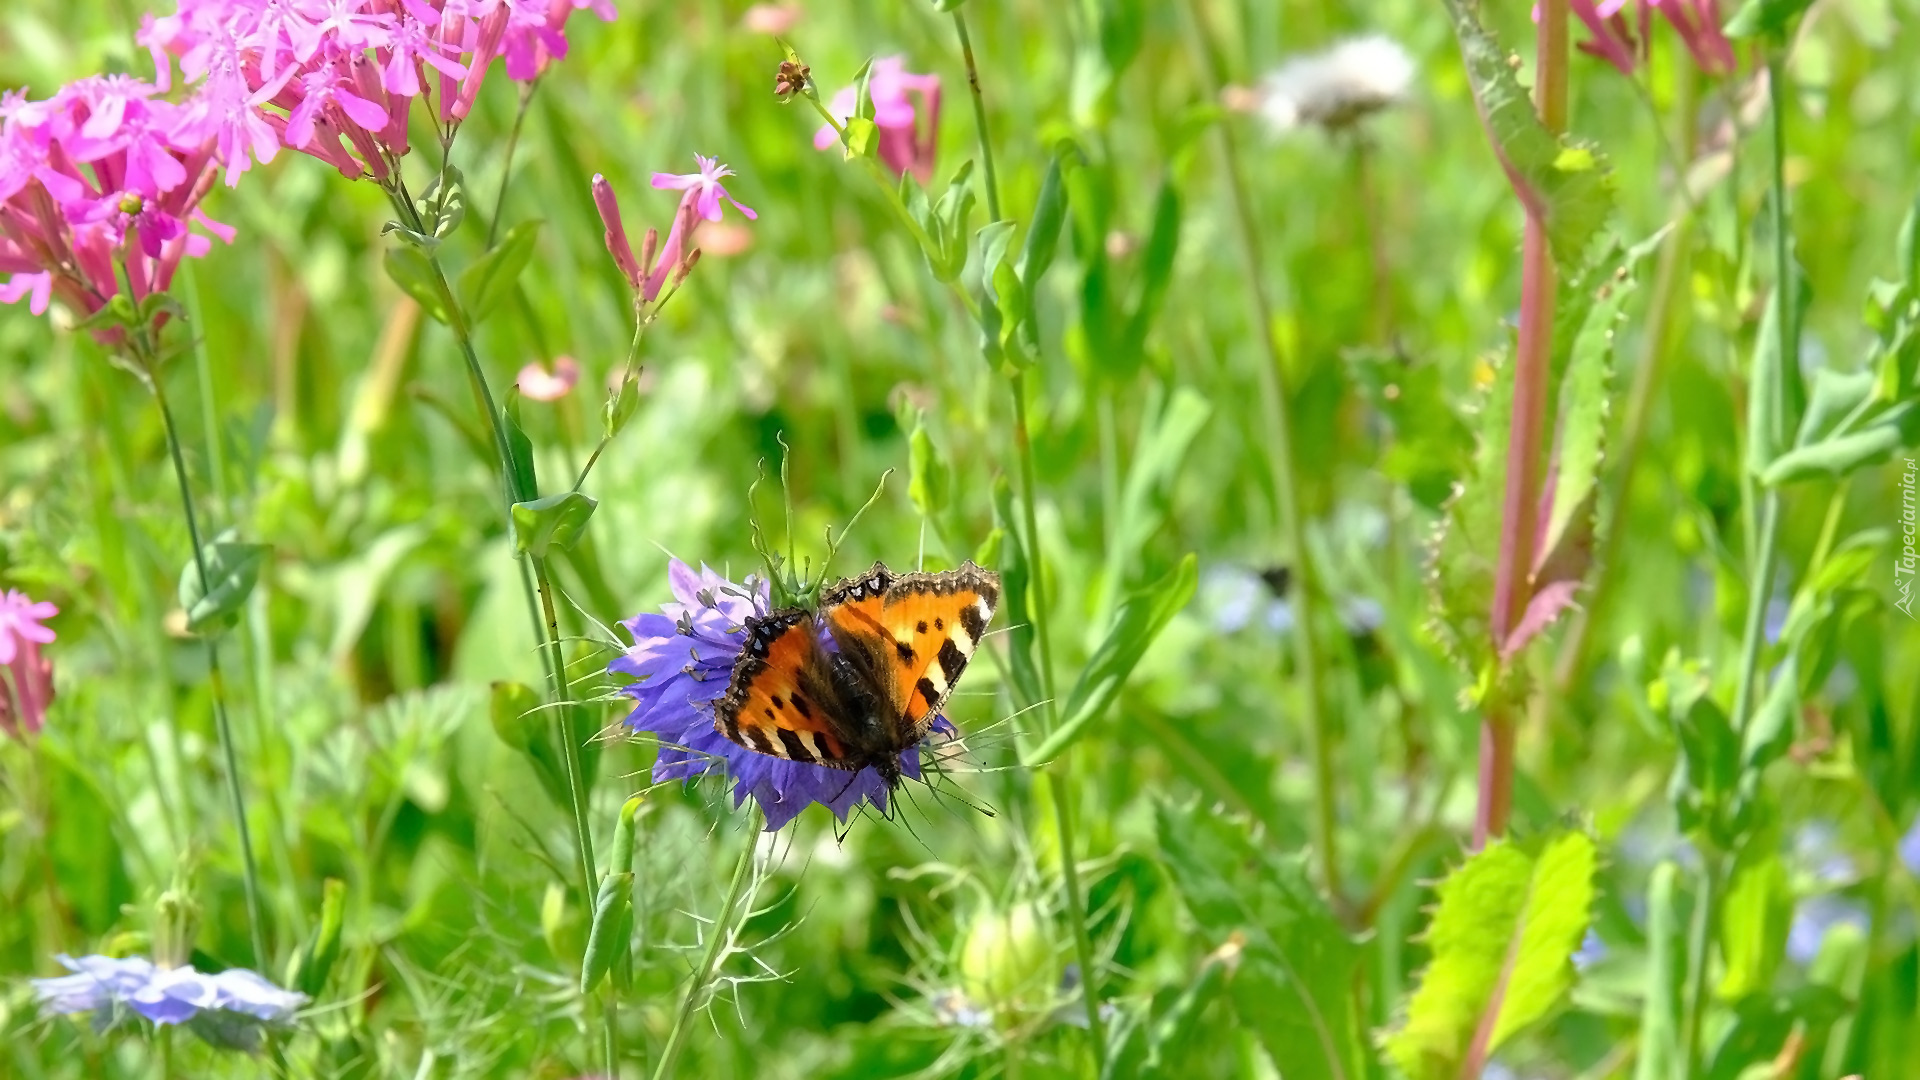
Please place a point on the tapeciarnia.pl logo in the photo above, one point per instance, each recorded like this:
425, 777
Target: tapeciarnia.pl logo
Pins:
1905, 567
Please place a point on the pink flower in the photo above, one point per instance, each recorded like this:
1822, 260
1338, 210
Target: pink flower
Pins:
24, 699
775, 19
700, 200
540, 384
1625, 45
704, 188
903, 146
97, 186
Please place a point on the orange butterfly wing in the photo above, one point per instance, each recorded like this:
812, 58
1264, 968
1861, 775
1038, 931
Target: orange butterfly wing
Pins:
780, 697
919, 630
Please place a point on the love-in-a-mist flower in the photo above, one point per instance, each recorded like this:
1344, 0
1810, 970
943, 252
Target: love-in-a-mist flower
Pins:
26, 687
681, 661
905, 144
701, 199
231, 1006
1337, 88
1624, 43
98, 186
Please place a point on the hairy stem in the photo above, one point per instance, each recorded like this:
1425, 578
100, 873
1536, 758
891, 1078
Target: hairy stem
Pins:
1285, 472
222, 726
979, 114
723, 931
1513, 573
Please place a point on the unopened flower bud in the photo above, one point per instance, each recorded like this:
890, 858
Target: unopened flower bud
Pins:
176, 922
649, 247
1006, 959
686, 267
791, 79
616, 233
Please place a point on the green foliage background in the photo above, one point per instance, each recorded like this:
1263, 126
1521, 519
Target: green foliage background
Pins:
326, 418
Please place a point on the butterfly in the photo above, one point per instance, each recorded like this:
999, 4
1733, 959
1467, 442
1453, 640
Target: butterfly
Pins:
902, 642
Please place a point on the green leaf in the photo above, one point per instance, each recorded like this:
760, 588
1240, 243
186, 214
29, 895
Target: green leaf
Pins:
1770, 732
1145, 501
1294, 986
522, 724
1660, 1055
1566, 181
1762, 1023
414, 274
556, 521
1462, 553
1502, 939
1139, 621
486, 285
990, 244
523, 483
1156, 268
232, 570
311, 964
1754, 918
930, 479
1016, 579
1765, 18
952, 213
1770, 397
1043, 236
1834, 457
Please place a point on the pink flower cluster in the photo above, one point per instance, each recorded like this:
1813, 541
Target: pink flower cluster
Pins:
100, 179
904, 145
341, 75
24, 700
1624, 45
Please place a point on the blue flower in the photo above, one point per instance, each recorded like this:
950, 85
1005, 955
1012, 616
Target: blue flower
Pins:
1814, 918
233, 1000
1909, 848
681, 661
1592, 950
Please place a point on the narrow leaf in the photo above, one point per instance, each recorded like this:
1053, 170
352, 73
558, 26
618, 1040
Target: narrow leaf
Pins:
1138, 623
1660, 1057
410, 270
486, 285
232, 570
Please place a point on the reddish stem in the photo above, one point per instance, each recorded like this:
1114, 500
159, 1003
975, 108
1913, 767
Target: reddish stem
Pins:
1525, 457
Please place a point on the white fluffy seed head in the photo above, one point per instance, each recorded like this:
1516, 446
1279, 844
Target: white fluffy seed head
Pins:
1338, 87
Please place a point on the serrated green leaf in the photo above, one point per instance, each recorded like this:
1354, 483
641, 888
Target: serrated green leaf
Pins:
486, 285
1461, 556
232, 570
1568, 182
1503, 939
1294, 985
1138, 623
555, 522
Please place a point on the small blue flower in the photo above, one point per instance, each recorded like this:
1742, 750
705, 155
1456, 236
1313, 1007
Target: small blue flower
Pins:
1592, 950
681, 661
1909, 848
1814, 918
167, 995
1816, 845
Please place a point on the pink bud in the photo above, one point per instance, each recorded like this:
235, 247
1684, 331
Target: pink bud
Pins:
616, 233
539, 384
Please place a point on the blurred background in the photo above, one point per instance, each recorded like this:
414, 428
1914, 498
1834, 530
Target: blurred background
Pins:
324, 415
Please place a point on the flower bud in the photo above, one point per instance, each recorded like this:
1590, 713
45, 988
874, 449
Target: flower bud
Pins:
1007, 961
616, 231
176, 922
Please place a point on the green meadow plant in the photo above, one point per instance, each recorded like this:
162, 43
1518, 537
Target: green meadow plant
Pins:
1443, 473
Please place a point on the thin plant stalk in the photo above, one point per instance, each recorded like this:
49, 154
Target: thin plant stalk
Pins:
723, 931
1760, 570
1285, 473
1525, 444
1706, 917
222, 726
979, 113
506, 160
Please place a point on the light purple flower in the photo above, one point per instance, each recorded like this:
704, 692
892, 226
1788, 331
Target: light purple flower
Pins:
1625, 45
1909, 848
165, 995
1814, 918
681, 661
27, 687
704, 188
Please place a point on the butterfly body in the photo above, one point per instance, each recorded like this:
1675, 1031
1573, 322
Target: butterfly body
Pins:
899, 644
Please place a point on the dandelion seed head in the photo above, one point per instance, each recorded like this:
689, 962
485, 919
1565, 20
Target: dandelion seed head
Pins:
1336, 88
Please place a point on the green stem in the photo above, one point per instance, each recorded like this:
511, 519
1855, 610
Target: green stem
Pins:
723, 929
222, 726
1037, 604
1760, 571
1057, 783
1285, 473
506, 161
1706, 915
979, 115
